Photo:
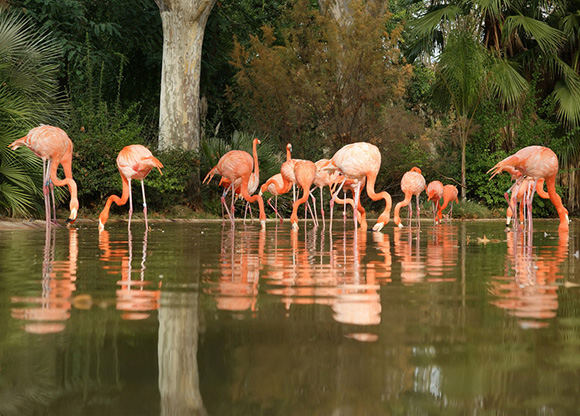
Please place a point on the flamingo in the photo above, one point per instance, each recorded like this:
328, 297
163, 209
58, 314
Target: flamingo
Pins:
276, 185
238, 164
134, 162
357, 161
288, 176
237, 190
54, 147
272, 186
536, 162
304, 173
449, 195
435, 193
412, 183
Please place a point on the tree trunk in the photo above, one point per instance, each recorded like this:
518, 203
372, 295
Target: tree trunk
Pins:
183, 29
339, 9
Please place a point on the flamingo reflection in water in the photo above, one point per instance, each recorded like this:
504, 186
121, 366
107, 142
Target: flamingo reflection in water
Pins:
310, 272
48, 312
528, 289
133, 299
236, 289
441, 255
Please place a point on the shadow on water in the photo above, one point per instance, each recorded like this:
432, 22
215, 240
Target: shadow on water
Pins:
189, 317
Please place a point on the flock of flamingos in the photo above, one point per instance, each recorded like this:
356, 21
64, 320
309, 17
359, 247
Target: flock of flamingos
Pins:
349, 169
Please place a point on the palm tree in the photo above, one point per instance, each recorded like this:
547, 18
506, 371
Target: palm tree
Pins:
29, 95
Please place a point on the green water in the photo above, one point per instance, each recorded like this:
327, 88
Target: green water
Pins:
194, 318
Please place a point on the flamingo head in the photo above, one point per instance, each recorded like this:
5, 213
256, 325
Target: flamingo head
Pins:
103, 220
416, 169
74, 208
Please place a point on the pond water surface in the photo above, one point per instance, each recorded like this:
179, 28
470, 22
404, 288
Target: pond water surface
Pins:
196, 318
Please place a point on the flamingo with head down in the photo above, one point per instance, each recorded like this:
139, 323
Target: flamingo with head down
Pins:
358, 161
412, 183
235, 165
134, 162
435, 194
535, 162
54, 147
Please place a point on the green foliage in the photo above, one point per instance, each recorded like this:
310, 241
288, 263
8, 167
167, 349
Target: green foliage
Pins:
227, 22
319, 81
29, 96
99, 135
172, 188
73, 23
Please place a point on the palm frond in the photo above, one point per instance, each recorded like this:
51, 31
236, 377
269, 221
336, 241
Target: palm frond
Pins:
506, 81
568, 104
431, 21
549, 39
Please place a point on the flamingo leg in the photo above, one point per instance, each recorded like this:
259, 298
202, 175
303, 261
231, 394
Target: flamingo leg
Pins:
45, 190
130, 205
356, 202
50, 186
232, 204
530, 191
53, 204
144, 204
410, 214
275, 208
322, 208
418, 212
332, 201
344, 209
223, 200
313, 211
248, 206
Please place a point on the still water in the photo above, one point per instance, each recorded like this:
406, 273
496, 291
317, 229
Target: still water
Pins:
196, 318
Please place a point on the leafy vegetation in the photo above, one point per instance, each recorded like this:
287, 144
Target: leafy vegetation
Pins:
449, 86
29, 95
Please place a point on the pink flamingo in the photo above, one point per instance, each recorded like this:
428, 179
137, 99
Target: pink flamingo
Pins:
238, 164
272, 185
435, 193
358, 161
276, 184
412, 183
134, 162
54, 147
304, 172
536, 162
449, 196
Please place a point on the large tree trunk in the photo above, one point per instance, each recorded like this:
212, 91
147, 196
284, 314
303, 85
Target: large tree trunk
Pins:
183, 29
339, 9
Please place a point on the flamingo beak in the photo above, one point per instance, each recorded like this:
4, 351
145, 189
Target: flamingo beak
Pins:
378, 226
